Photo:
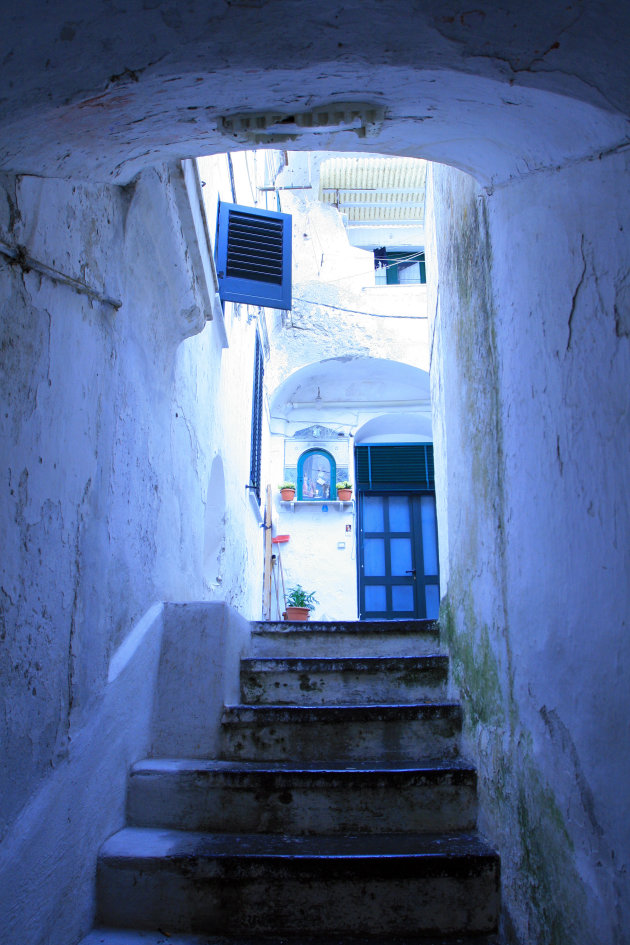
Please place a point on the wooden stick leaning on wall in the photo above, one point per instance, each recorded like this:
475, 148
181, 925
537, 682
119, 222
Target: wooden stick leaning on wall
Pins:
268, 562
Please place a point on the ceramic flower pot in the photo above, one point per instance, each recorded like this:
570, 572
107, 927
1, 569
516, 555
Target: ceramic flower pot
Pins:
344, 495
287, 495
297, 613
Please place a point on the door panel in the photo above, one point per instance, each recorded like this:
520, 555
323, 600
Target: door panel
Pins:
374, 557
398, 559
401, 556
399, 513
429, 534
376, 598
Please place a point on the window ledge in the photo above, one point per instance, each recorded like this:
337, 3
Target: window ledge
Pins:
336, 503
256, 506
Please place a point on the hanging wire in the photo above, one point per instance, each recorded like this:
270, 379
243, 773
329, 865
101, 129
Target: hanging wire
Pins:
414, 257
353, 311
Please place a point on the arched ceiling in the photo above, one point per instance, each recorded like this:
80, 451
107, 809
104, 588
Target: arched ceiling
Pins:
391, 428
350, 381
101, 91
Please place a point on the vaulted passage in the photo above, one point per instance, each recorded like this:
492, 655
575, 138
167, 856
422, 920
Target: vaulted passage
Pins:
125, 421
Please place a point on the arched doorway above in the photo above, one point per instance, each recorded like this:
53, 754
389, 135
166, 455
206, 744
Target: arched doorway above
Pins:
396, 428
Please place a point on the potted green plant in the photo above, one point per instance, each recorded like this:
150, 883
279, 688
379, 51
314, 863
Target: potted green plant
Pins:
299, 603
344, 490
287, 491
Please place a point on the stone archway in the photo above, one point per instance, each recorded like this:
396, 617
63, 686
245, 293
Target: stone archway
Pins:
497, 93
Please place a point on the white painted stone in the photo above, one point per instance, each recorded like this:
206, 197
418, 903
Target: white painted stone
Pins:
202, 645
529, 376
49, 849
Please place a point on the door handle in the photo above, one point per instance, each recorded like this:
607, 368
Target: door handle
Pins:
413, 571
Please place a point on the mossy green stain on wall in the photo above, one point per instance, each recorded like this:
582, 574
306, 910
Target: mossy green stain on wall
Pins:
547, 876
531, 804
539, 867
475, 668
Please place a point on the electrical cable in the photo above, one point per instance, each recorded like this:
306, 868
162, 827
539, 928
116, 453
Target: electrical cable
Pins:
415, 257
354, 311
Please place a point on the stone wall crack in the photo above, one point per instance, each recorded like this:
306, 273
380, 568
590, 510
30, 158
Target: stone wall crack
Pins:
576, 294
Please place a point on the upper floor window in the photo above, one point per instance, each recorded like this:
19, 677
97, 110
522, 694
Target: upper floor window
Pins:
399, 268
317, 475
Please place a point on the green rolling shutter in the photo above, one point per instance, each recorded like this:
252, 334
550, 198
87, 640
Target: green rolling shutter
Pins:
391, 467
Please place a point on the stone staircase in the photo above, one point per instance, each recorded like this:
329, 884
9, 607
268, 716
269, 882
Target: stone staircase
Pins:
339, 807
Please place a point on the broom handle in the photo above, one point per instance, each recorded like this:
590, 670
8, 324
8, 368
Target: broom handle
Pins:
284, 593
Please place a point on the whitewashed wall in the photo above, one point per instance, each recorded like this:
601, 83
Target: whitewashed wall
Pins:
123, 487
530, 369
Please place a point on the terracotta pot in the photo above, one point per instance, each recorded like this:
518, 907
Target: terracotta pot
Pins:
344, 495
287, 495
297, 613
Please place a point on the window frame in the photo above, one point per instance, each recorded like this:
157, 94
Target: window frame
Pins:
389, 260
333, 474
255, 455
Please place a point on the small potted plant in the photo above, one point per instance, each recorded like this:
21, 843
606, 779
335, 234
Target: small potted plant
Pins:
344, 490
287, 491
299, 603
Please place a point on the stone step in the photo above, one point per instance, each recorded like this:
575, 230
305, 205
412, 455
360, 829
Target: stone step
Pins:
110, 936
348, 638
382, 734
261, 884
343, 680
252, 797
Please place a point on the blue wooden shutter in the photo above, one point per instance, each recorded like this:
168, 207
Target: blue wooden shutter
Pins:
392, 467
253, 256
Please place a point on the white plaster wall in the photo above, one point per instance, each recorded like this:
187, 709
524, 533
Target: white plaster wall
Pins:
333, 315
48, 852
202, 644
111, 421
531, 360
337, 308
312, 557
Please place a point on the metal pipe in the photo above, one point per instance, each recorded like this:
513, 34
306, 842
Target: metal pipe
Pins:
27, 263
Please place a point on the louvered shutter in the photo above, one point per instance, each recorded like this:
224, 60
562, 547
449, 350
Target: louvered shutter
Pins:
253, 256
404, 467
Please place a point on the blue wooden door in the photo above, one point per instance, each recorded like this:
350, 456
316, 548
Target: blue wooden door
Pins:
398, 556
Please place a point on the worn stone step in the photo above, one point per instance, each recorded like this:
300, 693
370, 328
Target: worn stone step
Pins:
264, 884
383, 734
343, 680
252, 797
111, 936
346, 638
